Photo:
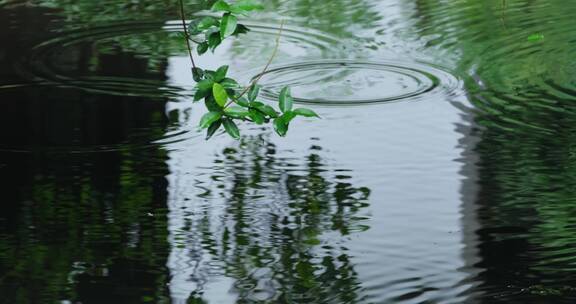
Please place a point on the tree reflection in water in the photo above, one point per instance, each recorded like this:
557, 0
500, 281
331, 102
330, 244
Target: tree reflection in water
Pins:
275, 226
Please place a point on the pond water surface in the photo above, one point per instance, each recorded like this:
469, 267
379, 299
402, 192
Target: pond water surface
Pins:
442, 170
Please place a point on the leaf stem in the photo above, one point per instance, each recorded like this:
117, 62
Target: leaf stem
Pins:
187, 37
261, 74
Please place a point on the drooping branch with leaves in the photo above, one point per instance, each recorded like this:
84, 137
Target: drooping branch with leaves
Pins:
226, 100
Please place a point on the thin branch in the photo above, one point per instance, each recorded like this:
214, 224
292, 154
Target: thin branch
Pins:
269, 60
186, 36
255, 81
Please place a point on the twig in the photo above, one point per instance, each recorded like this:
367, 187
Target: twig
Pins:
255, 81
186, 36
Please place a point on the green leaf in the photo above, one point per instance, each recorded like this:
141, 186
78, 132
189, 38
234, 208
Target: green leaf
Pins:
535, 37
236, 112
209, 118
221, 5
209, 74
193, 27
246, 6
256, 116
203, 89
253, 93
228, 25
230, 91
220, 94
211, 104
285, 100
213, 128
280, 126
205, 85
241, 29
221, 73
209, 32
266, 109
231, 128
288, 116
229, 83
214, 40
202, 48
197, 74
305, 112
207, 22
200, 94
243, 102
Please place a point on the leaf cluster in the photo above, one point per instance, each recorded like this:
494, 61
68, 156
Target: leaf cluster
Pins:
226, 101
209, 32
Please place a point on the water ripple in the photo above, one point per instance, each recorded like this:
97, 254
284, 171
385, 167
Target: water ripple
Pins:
49, 61
352, 82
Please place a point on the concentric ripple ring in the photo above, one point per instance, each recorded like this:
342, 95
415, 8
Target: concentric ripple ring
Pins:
353, 82
40, 64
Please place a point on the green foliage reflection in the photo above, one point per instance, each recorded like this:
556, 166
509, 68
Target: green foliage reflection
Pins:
283, 227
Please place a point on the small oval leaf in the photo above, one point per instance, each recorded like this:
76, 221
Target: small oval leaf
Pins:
220, 73
197, 74
229, 83
243, 102
205, 85
228, 25
288, 116
231, 128
266, 109
246, 6
257, 117
305, 112
241, 29
200, 94
202, 48
214, 40
213, 128
221, 5
285, 100
253, 92
209, 118
220, 94
203, 89
193, 28
211, 104
236, 112
207, 22
280, 126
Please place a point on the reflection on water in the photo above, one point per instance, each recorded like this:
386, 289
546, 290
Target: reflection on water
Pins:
272, 225
466, 196
88, 227
523, 92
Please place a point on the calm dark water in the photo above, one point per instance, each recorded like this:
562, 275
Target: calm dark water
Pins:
443, 170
